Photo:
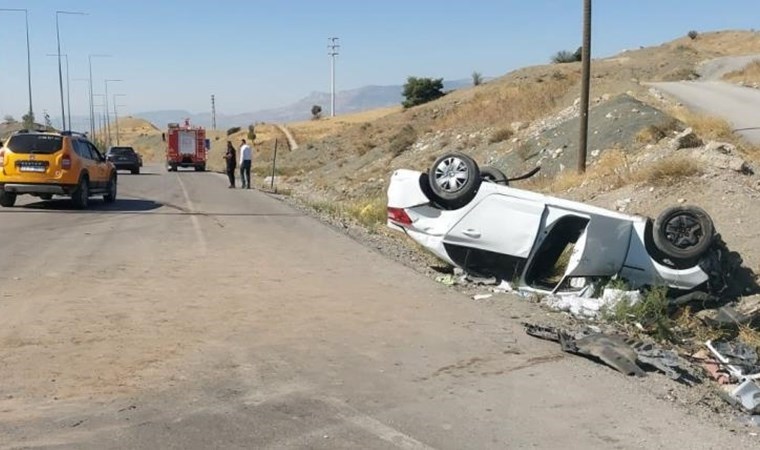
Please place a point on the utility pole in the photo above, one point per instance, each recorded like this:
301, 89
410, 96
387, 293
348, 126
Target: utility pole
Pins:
60, 70
92, 105
332, 52
213, 113
68, 86
108, 115
585, 85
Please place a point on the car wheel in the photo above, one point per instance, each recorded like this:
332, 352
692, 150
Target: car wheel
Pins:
454, 179
683, 232
136, 171
110, 196
493, 175
46, 196
7, 199
81, 195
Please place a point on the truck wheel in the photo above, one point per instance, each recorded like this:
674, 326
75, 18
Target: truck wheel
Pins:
81, 195
683, 232
7, 199
201, 168
454, 180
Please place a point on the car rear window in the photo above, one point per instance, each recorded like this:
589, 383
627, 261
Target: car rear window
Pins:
121, 151
35, 143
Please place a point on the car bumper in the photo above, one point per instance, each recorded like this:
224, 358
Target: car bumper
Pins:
21, 188
126, 165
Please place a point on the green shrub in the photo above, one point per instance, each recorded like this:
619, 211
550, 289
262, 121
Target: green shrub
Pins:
421, 90
566, 56
693, 34
232, 130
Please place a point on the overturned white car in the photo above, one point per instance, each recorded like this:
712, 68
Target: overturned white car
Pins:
470, 218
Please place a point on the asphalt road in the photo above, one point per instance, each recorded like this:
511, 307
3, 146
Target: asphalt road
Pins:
187, 315
740, 106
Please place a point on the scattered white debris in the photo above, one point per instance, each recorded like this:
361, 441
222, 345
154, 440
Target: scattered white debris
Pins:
481, 296
591, 307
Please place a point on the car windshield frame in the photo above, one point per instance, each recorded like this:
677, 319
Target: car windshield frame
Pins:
31, 143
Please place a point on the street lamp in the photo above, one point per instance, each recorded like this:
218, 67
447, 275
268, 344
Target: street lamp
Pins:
100, 119
60, 71
28, 56
86, 80
116, 115
92, 107
108, 121
68, 86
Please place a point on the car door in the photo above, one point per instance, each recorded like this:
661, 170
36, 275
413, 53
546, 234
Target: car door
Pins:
501, 224
99, 173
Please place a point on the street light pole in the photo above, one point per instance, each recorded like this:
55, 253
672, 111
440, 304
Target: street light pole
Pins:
116, 115
28, 56
60, 71
68, 86
92, 106
108, 121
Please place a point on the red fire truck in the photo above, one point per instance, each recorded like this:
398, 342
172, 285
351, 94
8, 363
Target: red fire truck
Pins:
186, 146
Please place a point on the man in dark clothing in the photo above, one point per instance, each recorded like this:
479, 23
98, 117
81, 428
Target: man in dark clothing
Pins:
231, 163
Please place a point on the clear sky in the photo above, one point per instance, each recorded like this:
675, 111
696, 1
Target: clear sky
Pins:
260, 54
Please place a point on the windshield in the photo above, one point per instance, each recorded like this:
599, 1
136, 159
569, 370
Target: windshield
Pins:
35, 143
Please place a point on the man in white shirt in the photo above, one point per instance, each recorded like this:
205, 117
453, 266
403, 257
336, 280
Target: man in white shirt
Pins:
245, 164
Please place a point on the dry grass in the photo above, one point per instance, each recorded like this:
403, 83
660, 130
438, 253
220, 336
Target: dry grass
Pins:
750, 74
501, 135
402, 140
369, 212
666, 171
707, 127
653, 134
506, 103
613, 170
314, 130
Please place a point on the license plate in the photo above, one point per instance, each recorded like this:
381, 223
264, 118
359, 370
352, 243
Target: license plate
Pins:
123, 159
38, 169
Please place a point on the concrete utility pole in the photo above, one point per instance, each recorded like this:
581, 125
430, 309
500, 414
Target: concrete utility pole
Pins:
332, 52
585, 85
116, 115
108, 115
68, 87
213, 113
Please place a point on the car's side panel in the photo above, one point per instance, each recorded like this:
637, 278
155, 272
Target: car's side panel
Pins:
500, 224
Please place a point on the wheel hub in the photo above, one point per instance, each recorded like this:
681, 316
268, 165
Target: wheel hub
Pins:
683, 231
451, 174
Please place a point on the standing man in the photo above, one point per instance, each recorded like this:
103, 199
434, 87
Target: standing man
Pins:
245, 164
231, 163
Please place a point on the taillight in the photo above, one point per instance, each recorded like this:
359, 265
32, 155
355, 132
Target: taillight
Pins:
399, 216
66, 162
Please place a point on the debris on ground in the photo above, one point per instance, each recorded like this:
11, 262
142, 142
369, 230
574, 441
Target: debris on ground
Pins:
584, 305
622, 354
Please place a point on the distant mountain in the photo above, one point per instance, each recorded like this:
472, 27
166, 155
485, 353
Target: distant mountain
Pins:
346, 102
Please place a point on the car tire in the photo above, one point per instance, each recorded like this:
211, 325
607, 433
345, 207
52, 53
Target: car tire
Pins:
110, 195
136, 171
7, 199
493, 175
683, 232
81, 195
454, 180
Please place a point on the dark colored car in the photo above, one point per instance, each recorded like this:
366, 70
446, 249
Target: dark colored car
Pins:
125, 158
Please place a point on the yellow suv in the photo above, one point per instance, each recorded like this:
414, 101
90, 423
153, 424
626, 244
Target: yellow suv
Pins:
44, 164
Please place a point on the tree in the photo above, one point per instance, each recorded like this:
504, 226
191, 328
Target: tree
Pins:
251, 133
477, 79
316, 112
421, 90
28, 120
9, 119
566, 56
693, 34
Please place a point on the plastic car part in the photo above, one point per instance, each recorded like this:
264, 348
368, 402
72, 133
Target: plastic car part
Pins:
493, 175
683, 232
454, 180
